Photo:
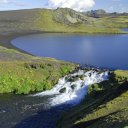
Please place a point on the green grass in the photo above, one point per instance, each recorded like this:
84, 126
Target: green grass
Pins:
113, 22
23, 74
105, 106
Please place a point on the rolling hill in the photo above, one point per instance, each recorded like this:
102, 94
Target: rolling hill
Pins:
59, 20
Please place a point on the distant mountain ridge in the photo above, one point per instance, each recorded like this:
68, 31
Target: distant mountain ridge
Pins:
102, 13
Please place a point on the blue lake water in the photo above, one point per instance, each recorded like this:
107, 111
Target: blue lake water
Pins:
125, 29
109, 51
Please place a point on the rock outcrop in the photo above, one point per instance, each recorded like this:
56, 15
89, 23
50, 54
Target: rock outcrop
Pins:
69, 16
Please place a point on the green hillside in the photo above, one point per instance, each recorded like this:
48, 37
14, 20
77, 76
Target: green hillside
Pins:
67, 20
22, 74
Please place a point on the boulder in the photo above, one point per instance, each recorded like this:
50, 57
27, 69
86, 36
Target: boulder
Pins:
63, 90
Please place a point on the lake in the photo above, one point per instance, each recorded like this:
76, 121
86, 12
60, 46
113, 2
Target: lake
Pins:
105, 51
125, 29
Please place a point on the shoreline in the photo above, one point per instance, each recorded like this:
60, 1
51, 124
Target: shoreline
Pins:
15, 36
5, 40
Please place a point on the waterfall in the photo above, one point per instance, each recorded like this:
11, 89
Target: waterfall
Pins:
72, 88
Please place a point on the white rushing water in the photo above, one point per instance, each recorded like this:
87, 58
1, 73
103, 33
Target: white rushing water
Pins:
72, 88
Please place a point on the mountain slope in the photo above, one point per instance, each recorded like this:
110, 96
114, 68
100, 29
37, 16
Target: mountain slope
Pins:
59, 20
68, 20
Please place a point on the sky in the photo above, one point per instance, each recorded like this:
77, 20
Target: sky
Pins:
79, 5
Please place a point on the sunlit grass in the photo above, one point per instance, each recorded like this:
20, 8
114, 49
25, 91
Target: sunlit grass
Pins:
22, 74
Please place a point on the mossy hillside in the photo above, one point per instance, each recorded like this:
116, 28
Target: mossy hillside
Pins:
30, 74
105, 106
48, 23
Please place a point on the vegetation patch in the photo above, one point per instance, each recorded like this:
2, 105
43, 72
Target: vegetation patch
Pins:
30, 74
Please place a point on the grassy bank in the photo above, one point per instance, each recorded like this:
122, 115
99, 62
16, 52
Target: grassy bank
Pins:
105, 106
22, 74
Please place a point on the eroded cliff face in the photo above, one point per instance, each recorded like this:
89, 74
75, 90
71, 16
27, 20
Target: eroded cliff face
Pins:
69, 16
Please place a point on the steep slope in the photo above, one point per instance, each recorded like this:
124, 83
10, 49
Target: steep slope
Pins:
105, 106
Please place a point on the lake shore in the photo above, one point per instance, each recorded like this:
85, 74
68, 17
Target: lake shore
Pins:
91, 49
6, 38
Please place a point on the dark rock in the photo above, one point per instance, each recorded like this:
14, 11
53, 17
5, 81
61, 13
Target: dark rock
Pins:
82, 77
73, 86
73, 78
63, 90
82, 85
